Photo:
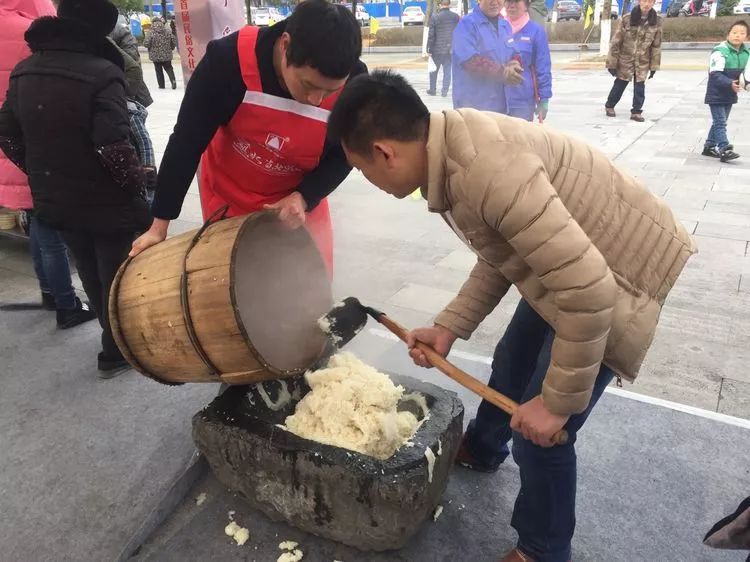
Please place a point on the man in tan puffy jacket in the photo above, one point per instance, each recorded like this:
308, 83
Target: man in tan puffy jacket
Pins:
592, 252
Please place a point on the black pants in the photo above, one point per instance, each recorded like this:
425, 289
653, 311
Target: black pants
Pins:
618, 88
97, 257
445, 62
160, 67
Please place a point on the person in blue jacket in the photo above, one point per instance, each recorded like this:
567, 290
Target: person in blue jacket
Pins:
529, 45
482, 62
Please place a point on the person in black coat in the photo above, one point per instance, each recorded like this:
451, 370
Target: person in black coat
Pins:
440, 45
65, 123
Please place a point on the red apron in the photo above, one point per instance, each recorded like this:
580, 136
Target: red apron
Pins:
266, 149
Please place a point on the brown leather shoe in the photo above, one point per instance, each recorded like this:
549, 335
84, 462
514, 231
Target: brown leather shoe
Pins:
516, 555
610, 111
637, 117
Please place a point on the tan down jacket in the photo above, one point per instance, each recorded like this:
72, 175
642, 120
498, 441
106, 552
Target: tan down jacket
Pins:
589, 247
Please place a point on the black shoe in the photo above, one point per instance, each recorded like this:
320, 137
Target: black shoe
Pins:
48, 301
431, 93
444, 94
711, 151
728, 155
75, 316
466, 459
174, 85
110, 368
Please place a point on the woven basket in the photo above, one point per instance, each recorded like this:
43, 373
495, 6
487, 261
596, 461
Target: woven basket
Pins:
8, 219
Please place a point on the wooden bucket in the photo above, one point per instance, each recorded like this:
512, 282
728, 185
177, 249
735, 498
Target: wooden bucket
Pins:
236, 301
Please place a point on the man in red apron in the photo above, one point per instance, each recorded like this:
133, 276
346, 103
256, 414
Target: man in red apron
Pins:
254, 115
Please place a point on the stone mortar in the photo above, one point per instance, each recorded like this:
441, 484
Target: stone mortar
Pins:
328, 491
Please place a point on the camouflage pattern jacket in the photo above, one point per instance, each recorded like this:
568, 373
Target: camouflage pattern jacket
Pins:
635, 50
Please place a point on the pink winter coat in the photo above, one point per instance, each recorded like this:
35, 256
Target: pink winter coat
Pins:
16, 17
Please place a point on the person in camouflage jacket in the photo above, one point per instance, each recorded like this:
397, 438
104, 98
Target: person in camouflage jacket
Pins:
634, 54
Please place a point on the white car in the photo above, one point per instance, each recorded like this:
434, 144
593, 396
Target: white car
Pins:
742, 7
260, 17
363, 18
413, 15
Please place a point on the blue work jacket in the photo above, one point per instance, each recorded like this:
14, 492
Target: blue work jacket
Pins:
477, 35
532, 46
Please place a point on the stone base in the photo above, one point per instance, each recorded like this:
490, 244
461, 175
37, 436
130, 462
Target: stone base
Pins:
328, 491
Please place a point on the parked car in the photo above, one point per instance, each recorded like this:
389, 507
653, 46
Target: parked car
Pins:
363, 18
567, 10
742, 7
413, 15
260, 17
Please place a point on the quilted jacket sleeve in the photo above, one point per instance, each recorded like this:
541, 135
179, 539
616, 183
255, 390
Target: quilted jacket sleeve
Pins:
513, 195
479, 296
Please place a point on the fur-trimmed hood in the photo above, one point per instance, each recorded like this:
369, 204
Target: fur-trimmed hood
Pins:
636, 15
63, 34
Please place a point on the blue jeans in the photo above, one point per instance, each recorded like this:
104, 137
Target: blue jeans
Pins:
717, 135
50, 258
445, 62
544, 513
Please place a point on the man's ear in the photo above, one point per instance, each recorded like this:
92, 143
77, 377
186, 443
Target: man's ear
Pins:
285, 40
385, 150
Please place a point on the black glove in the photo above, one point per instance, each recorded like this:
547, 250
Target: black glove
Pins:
612, 71
650, 76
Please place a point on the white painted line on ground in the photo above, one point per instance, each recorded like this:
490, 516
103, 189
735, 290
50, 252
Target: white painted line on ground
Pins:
716, 416
700, 412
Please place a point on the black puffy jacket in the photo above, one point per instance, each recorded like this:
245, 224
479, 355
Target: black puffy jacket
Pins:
124, 39
440, 36
65, 122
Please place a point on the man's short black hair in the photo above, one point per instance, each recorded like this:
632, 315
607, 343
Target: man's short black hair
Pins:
377, 106
325, 37
742, 23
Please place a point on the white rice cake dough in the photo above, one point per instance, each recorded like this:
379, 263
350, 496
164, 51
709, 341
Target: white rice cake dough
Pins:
240, 534
294, 556
353, 406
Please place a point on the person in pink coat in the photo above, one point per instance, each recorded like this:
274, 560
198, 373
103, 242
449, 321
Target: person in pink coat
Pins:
47, 248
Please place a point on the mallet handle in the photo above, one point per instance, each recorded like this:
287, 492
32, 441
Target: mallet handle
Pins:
462, 377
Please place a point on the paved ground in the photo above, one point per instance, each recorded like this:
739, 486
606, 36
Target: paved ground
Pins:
84, 460
695, 466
